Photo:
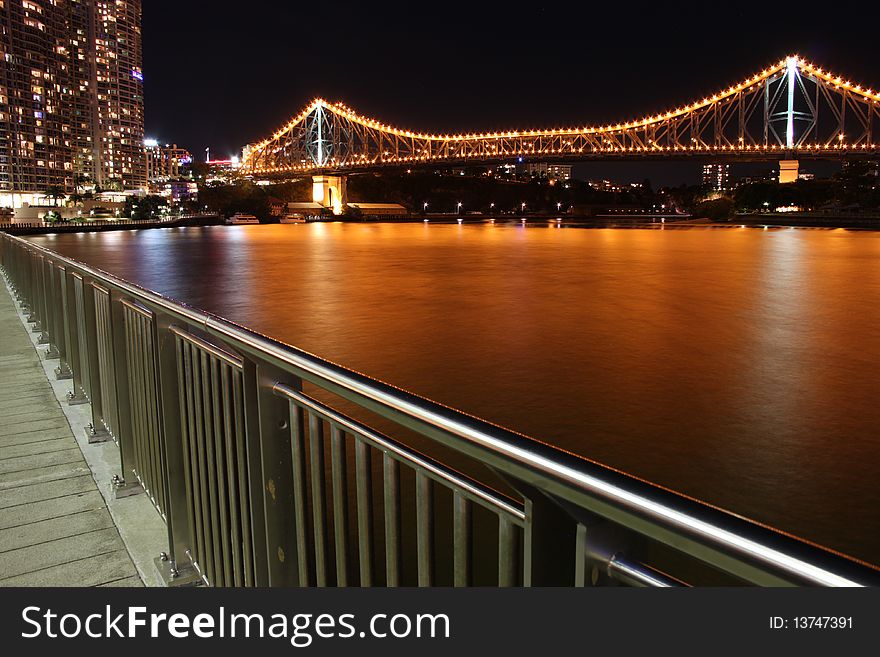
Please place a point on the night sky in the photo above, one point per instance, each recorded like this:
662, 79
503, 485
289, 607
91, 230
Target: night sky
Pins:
220, 77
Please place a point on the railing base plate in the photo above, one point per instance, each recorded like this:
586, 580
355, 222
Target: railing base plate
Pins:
62, 373
75, 399
122, 488
172, 577
97, 436
52, 354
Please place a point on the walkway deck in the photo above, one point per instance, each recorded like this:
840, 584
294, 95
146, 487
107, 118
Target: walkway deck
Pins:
55, 529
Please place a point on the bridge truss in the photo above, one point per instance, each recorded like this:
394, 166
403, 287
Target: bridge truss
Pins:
792, 109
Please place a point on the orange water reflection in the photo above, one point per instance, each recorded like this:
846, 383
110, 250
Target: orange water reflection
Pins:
736, 365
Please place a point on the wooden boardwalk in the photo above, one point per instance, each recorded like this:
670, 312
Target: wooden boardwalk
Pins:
55, 529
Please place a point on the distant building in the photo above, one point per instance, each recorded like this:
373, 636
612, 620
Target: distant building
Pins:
379, 209
758, 179
225, 171
71, 98
164, 163
503, 171
716, 177
177, 191
549, 171
606, 186
872, 167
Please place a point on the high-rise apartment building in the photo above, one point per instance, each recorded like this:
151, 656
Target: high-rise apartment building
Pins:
71, 97
716, 177
166, 162
549, 171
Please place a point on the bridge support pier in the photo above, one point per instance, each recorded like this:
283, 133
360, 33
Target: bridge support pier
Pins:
788, 171
331, 192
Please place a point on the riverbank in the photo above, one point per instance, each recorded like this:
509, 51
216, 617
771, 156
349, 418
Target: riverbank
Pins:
109, 224
809, 220
803, 220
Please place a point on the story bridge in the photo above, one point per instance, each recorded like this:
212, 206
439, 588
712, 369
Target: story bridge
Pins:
790, 111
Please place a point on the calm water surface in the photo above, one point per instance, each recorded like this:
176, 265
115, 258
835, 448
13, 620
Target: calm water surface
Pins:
739, 366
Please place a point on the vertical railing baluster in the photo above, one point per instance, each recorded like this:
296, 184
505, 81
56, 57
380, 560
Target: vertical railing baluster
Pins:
507, 552
154, 425
187, 423
340, 503
132, 350
298, 448
234, 491
391, 490
319, 516
206, 558
139, 400
462, 551
364, 484
425, 529
245, 500
213, 509
219, 467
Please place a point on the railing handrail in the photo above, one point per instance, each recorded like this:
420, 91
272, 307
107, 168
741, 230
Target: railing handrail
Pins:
735, 544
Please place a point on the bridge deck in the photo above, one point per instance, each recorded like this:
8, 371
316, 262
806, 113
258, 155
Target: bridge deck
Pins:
55, 529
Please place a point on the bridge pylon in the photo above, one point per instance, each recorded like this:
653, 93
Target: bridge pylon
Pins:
788, 171
331, 192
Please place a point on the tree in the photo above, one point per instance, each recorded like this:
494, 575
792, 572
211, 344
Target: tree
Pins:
717, 209
55, 193
147, 207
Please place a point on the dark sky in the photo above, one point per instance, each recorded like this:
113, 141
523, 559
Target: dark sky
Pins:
222, 77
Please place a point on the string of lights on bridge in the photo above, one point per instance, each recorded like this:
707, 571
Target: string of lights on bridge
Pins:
340, 109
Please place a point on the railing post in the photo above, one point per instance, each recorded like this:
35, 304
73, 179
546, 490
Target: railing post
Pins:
21, 283
51, 308
96, 431
75, 339
59, 284
270, 457
173, 566
126, 484
43, 303
33, 301
549, 549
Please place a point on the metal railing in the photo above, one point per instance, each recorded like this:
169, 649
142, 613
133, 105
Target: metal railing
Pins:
261, 482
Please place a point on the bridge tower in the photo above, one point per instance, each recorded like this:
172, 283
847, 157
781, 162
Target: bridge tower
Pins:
788, 168
331, 192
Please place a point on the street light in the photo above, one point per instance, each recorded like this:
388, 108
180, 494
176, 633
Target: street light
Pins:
458, 207
558, 205
523, 206
425, 206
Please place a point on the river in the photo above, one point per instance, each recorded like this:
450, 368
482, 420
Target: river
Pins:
737, 365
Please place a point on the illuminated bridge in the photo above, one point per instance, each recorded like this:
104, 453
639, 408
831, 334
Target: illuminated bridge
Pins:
792, 107
792, 110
